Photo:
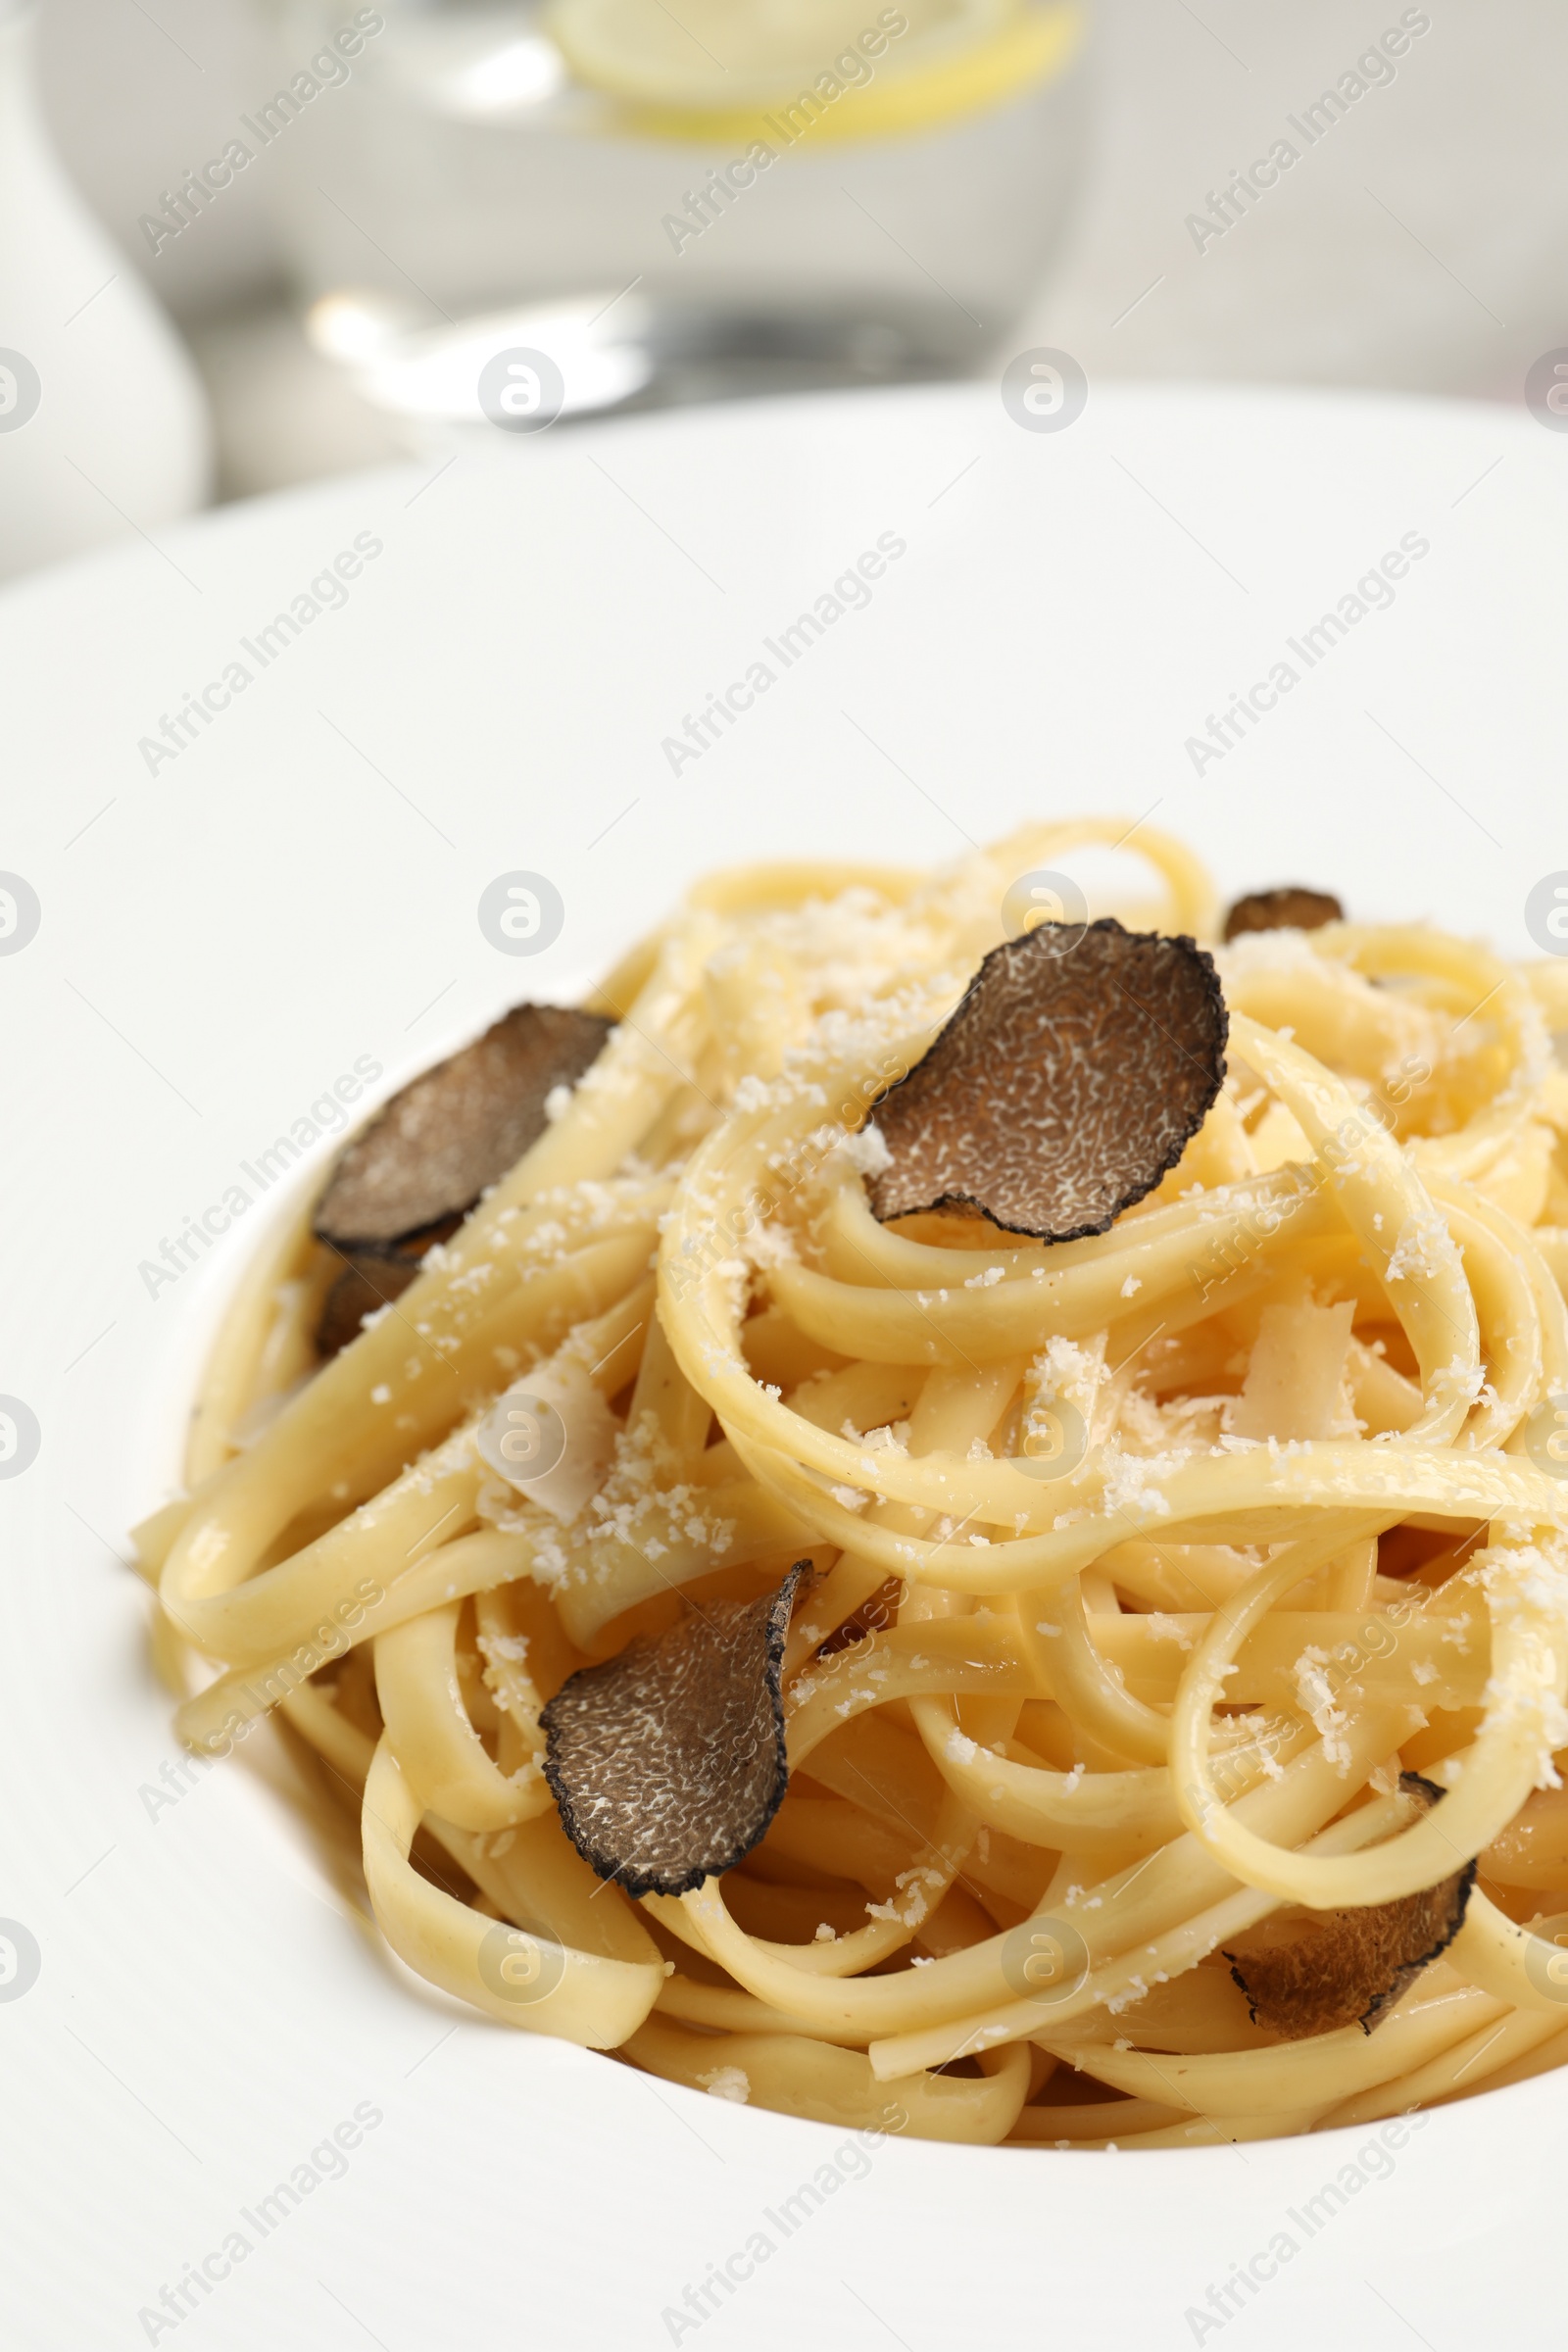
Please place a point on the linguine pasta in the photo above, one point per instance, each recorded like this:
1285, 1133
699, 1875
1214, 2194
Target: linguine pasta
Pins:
1147, 1568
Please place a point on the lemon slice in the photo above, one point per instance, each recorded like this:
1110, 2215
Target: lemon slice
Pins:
707, 68
718, 55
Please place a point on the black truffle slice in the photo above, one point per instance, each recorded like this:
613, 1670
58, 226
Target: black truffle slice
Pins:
1314, 1972
1070, 1078
1290, 908
668, 1762
447, 1135
366, 1282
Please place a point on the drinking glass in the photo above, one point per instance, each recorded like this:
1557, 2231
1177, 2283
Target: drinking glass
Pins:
666, 202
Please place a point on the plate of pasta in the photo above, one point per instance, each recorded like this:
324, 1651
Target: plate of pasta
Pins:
941, 1514
784, 1556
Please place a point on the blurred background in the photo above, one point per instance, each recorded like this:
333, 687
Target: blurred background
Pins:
370, 230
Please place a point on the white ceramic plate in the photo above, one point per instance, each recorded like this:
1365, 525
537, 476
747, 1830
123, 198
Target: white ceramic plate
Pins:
224, 932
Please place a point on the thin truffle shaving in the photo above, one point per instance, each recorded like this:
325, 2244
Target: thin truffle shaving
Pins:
408, 1179
455, 1129
1292, 906
370, 1279
1315, 1972
668, 1762
1069, 1079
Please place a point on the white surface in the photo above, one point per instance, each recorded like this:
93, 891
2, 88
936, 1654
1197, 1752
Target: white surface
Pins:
120, 436
221, 940
1411, 247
